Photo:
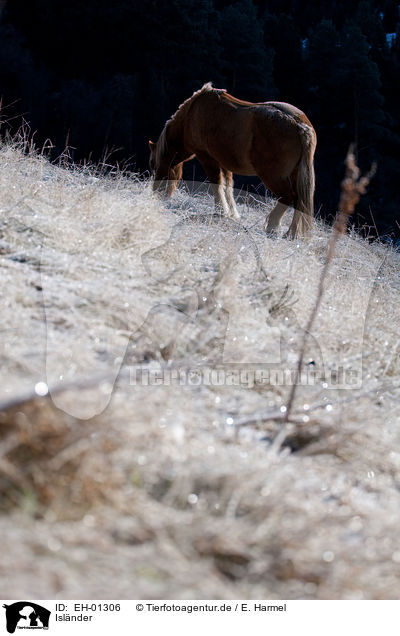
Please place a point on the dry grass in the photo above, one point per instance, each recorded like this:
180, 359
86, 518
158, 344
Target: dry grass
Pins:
109, 490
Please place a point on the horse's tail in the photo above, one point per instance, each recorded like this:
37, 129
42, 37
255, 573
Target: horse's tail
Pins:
305, 182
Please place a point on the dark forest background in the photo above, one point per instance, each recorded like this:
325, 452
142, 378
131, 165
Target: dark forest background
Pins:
100, 76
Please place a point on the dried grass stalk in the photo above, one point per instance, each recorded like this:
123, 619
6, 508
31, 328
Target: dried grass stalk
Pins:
352, 187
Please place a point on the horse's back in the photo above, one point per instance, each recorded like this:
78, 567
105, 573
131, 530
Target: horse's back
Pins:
243, 136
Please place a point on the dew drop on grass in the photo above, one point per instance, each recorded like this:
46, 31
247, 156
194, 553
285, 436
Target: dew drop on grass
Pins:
41, 388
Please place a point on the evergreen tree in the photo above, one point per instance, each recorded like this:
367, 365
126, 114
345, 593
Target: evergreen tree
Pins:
321, 61
282, 35
246, 62
357, 79
368, 18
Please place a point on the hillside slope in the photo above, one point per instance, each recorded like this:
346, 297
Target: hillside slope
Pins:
190, 487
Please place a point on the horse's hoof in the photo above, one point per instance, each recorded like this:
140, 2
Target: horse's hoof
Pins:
271, 234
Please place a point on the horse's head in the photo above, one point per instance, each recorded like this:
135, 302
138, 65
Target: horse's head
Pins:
165, 168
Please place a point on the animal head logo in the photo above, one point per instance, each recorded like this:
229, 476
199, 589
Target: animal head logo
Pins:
26, 615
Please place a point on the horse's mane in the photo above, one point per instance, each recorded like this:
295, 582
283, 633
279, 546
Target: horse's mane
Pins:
179, 114
239, 102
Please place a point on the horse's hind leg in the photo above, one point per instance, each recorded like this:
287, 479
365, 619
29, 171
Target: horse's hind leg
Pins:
229, 193
301, 222
273, 221
282, 189
217, 180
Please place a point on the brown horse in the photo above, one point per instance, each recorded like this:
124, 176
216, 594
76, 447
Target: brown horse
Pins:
272, 140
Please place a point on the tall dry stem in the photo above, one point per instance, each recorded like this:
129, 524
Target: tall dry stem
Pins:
352, 187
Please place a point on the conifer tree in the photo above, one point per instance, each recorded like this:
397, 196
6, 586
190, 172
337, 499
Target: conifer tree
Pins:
246, 63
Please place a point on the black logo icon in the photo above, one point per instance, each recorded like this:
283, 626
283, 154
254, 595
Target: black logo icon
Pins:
26, 615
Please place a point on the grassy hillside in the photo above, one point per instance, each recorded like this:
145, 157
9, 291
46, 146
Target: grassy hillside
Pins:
194, 487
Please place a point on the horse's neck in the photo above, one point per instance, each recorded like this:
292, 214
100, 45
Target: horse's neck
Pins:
174, 131
176, 123
174, 128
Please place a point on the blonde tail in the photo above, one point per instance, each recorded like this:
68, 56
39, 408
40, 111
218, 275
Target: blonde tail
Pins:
305, 183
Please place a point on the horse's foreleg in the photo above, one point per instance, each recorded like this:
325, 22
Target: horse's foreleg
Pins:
229, 194
217, 180
218, 189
